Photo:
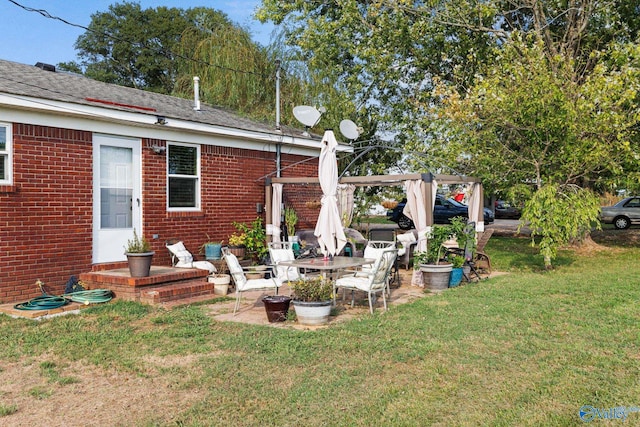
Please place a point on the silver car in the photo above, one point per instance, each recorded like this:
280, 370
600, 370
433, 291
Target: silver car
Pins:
622, 214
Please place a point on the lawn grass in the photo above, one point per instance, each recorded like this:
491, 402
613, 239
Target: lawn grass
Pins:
525, 348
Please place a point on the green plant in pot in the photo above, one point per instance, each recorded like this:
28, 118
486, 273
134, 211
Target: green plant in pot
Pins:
211, 249
290, 220
312, 300
457, 262
255, 239
435, 273
236, 244
139, 255
312, 289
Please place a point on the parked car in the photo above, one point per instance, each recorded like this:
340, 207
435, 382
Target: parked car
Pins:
443, 211
622, 214
504, 210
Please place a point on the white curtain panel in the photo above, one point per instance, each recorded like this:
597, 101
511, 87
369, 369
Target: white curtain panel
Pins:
276, 212
345, 203
476, 212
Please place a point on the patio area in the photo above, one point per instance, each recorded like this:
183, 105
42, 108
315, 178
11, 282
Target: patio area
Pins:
252, 309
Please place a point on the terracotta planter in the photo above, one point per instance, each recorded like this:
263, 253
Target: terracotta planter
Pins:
139, 264
277, 307
436, 276
312, 313
238, 251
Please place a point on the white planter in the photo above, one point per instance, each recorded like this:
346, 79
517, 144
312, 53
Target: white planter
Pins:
220, 283
312, 313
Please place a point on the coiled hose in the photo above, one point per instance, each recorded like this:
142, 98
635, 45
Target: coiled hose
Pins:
44, 302
95, 296
50, 302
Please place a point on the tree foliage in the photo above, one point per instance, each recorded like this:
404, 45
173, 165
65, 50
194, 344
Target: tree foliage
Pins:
546, 212
133, 47
526, 94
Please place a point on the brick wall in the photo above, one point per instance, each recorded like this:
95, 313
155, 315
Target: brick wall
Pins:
45, 222
46, 217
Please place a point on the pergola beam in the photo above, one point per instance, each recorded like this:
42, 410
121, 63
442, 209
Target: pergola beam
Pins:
378, 181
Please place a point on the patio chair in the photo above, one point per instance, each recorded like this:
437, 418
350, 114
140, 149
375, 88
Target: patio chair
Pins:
474, 256
481, 258
407, 242
282, 251
309, 240
382, 234
182, 258
374, 281
241, 282
374, 250
379, 235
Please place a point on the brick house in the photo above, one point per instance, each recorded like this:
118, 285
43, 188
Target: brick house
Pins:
83, 163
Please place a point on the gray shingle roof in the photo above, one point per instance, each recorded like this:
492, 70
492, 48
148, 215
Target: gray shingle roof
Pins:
32, 81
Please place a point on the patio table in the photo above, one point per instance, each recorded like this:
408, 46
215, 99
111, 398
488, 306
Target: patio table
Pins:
332, 266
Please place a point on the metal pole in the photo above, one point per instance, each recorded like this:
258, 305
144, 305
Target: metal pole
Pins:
278, 145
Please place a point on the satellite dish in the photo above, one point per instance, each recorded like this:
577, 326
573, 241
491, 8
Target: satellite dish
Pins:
350, 130
307, 115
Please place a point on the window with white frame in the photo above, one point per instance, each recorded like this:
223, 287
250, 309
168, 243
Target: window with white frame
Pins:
5, 153
183, 170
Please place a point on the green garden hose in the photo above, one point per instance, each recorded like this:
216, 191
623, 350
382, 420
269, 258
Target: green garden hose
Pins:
44, 302
95, 296
50, 302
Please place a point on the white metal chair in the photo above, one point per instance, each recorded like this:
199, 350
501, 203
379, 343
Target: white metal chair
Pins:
181, 257
376, 280
241, 282
374, 250
282, 251
407, 242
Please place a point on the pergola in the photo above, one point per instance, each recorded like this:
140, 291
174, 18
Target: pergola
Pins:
426, 182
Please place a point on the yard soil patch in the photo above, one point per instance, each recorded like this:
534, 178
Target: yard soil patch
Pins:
96, 398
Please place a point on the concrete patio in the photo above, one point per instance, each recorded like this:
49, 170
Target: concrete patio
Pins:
252, 308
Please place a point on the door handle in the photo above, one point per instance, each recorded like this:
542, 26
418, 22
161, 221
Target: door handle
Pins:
138, 201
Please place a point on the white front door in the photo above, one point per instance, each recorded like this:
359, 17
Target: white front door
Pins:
116, 195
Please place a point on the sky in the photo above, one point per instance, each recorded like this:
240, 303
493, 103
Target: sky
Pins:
28, 37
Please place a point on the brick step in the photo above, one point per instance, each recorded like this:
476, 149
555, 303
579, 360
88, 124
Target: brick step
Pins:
162, 285
175, 291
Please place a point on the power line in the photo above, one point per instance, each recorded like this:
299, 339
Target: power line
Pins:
162, 52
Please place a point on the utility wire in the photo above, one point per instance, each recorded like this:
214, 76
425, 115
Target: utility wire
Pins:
166, 53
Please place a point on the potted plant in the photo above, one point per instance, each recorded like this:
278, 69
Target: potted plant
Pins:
290, 220
139, 255
312, 300
211, 249
255, 239
220, 282
457, 272
434, 271
236, 245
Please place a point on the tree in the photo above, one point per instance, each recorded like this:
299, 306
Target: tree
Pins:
546, 213
133, 47
525, 94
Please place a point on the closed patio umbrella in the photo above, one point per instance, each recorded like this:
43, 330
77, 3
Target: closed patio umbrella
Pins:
329, 230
